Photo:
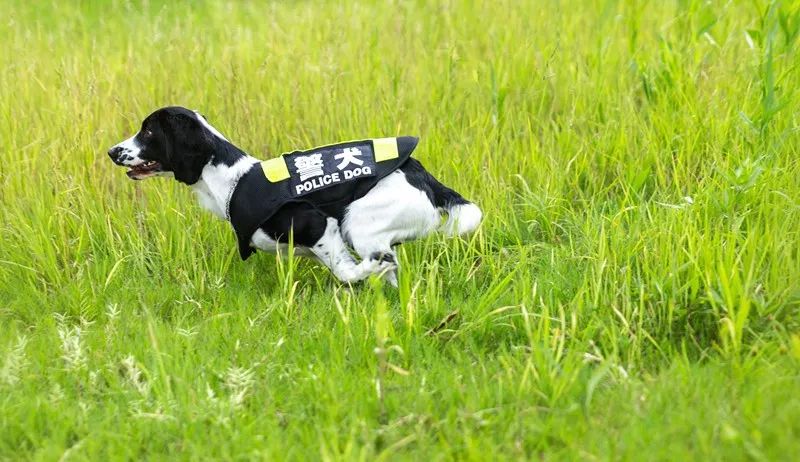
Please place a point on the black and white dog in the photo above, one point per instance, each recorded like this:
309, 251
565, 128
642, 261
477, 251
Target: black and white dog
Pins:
393, 200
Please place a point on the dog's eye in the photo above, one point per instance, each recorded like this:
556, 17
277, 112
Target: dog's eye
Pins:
147, 133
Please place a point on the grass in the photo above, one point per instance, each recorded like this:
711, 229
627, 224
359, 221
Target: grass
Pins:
633, 293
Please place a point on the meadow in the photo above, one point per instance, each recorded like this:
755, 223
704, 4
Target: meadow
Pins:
632, 294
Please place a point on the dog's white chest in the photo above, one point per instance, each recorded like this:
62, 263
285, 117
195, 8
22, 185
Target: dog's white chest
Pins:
262, 242
207, 199
265, 243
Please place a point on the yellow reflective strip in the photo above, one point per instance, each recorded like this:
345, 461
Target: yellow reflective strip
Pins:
385, 149
275, 169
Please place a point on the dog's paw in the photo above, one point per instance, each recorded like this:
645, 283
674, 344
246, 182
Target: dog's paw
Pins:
387, 257
381, 262
391, 278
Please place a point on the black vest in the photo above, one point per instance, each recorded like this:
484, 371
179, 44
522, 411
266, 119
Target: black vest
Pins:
329, 178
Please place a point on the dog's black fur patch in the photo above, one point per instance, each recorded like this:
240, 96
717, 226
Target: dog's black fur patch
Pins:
439, 194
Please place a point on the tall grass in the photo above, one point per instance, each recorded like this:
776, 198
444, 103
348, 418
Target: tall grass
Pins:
634, 291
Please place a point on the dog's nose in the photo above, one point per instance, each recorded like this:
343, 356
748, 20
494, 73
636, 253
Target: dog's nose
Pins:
114, 152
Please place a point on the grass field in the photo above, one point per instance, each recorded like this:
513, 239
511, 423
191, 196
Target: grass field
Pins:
633, 292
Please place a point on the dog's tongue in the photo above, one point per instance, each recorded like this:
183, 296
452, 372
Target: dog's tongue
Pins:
145, 167
138, 171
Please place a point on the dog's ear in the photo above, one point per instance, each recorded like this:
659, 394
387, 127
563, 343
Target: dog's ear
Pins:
188, 166
189, 149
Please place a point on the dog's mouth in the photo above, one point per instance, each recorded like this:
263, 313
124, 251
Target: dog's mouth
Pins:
144, 170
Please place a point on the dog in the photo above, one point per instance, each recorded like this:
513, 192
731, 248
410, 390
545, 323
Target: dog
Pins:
367, 196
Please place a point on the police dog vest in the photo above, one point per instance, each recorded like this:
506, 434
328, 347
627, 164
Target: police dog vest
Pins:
329, 178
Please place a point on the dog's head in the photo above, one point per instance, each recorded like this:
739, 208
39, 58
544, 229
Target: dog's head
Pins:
173, 141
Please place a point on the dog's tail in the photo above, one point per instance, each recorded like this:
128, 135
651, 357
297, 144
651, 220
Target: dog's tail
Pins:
462, 215
461, 218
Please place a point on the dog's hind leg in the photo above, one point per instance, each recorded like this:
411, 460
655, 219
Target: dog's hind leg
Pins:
394, 211
332, 251
379, 249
